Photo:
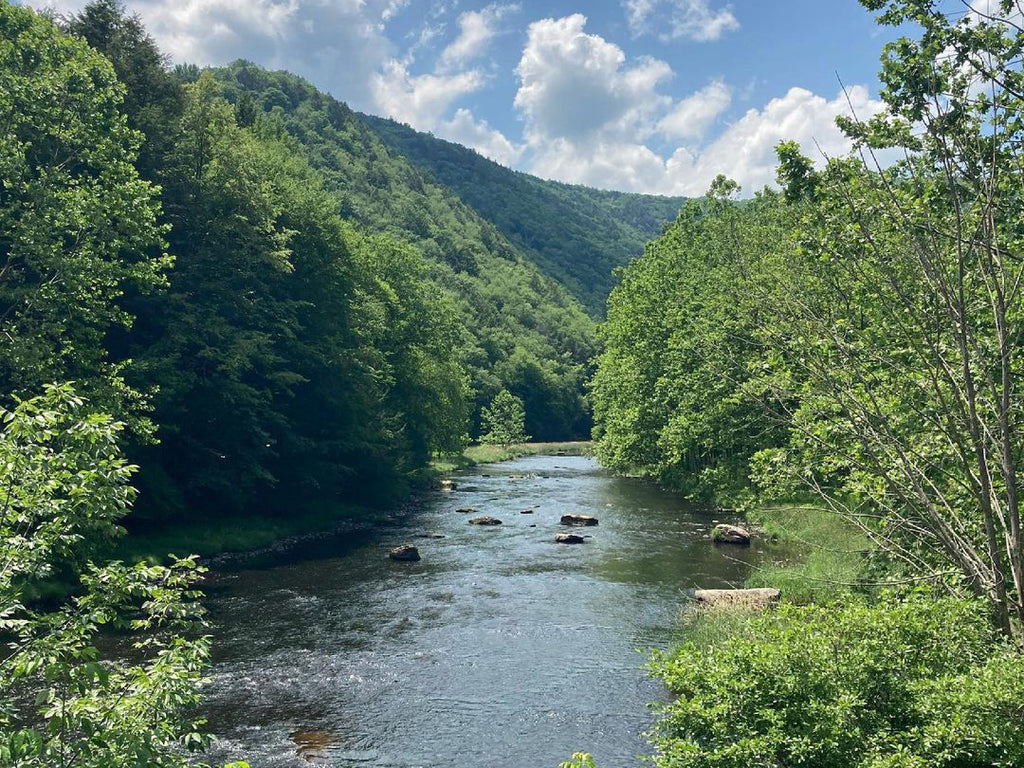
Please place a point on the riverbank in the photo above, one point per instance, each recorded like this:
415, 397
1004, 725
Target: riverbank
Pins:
491, 454
212, 538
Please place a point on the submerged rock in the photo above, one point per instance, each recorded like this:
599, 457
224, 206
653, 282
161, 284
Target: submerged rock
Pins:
467, 510
430, 535
406, 553
569, 538
740, 598
525, 511
314, 745
578, 520
730, 534
485, 520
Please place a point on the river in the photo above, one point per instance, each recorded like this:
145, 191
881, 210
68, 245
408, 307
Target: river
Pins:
499, 648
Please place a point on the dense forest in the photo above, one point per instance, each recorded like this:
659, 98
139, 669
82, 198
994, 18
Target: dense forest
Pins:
301, 313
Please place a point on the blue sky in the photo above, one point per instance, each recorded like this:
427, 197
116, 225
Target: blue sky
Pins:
639, 95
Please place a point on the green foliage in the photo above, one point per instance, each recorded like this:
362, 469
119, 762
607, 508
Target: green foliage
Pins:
503, 420
671, 393
575, 235
579, 760
921, 683
815, 555
516, 328
293, 354
78, 227
65, 485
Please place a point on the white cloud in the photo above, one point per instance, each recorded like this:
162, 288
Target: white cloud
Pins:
692, 116
337, 44
420, 100
744, 152
464, 129
574, 86
476, 30
692, 19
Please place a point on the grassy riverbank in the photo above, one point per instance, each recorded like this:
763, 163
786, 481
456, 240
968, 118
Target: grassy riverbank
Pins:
489, 454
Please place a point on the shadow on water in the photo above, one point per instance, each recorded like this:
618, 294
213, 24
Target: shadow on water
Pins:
500, 647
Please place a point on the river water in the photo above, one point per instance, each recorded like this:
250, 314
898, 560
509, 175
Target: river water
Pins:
500, 648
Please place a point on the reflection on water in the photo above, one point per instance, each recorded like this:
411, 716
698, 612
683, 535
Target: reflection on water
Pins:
498, 648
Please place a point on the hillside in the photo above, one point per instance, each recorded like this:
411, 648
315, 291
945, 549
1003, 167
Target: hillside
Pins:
576, 235
520, 329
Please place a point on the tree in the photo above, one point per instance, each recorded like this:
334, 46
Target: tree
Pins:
65, 485
78, 227
901, 310
503, 420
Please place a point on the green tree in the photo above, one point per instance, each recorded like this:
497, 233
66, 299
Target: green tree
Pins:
78, 227
65, 485
901, 307
503, 420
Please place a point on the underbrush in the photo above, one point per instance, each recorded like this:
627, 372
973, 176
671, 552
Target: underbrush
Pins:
915, 683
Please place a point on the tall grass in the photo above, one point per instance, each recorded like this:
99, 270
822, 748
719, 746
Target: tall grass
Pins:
816, 556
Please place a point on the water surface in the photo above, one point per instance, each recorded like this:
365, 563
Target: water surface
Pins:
500, 648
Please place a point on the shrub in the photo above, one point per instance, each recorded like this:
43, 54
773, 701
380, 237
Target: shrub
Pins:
922, 684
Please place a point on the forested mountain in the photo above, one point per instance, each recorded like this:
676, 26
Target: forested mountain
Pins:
284, 309
517, 329
576, 235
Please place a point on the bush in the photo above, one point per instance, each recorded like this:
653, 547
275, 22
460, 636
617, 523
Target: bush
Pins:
922, 684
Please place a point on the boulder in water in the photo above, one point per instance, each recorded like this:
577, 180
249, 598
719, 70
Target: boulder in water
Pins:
578, 520
730, 534
569, 538
448, 485
467, 510
526, 511
405, 553
485, 520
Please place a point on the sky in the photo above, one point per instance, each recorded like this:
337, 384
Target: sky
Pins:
655, 96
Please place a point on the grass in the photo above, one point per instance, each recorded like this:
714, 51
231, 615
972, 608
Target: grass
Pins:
816, 556
489, 454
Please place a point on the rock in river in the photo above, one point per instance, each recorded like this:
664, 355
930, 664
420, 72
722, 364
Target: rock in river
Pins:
730, 534
448, 485
578, 520
466, 510
485, 520
569, 538
406, 552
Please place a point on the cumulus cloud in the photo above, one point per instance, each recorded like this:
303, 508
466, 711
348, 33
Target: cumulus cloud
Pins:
692, 19
573, 85
745, 151
692, 116
420, 100
338, 44
464, 129
476, 30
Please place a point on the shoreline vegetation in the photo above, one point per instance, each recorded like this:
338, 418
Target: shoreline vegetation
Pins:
221, 536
